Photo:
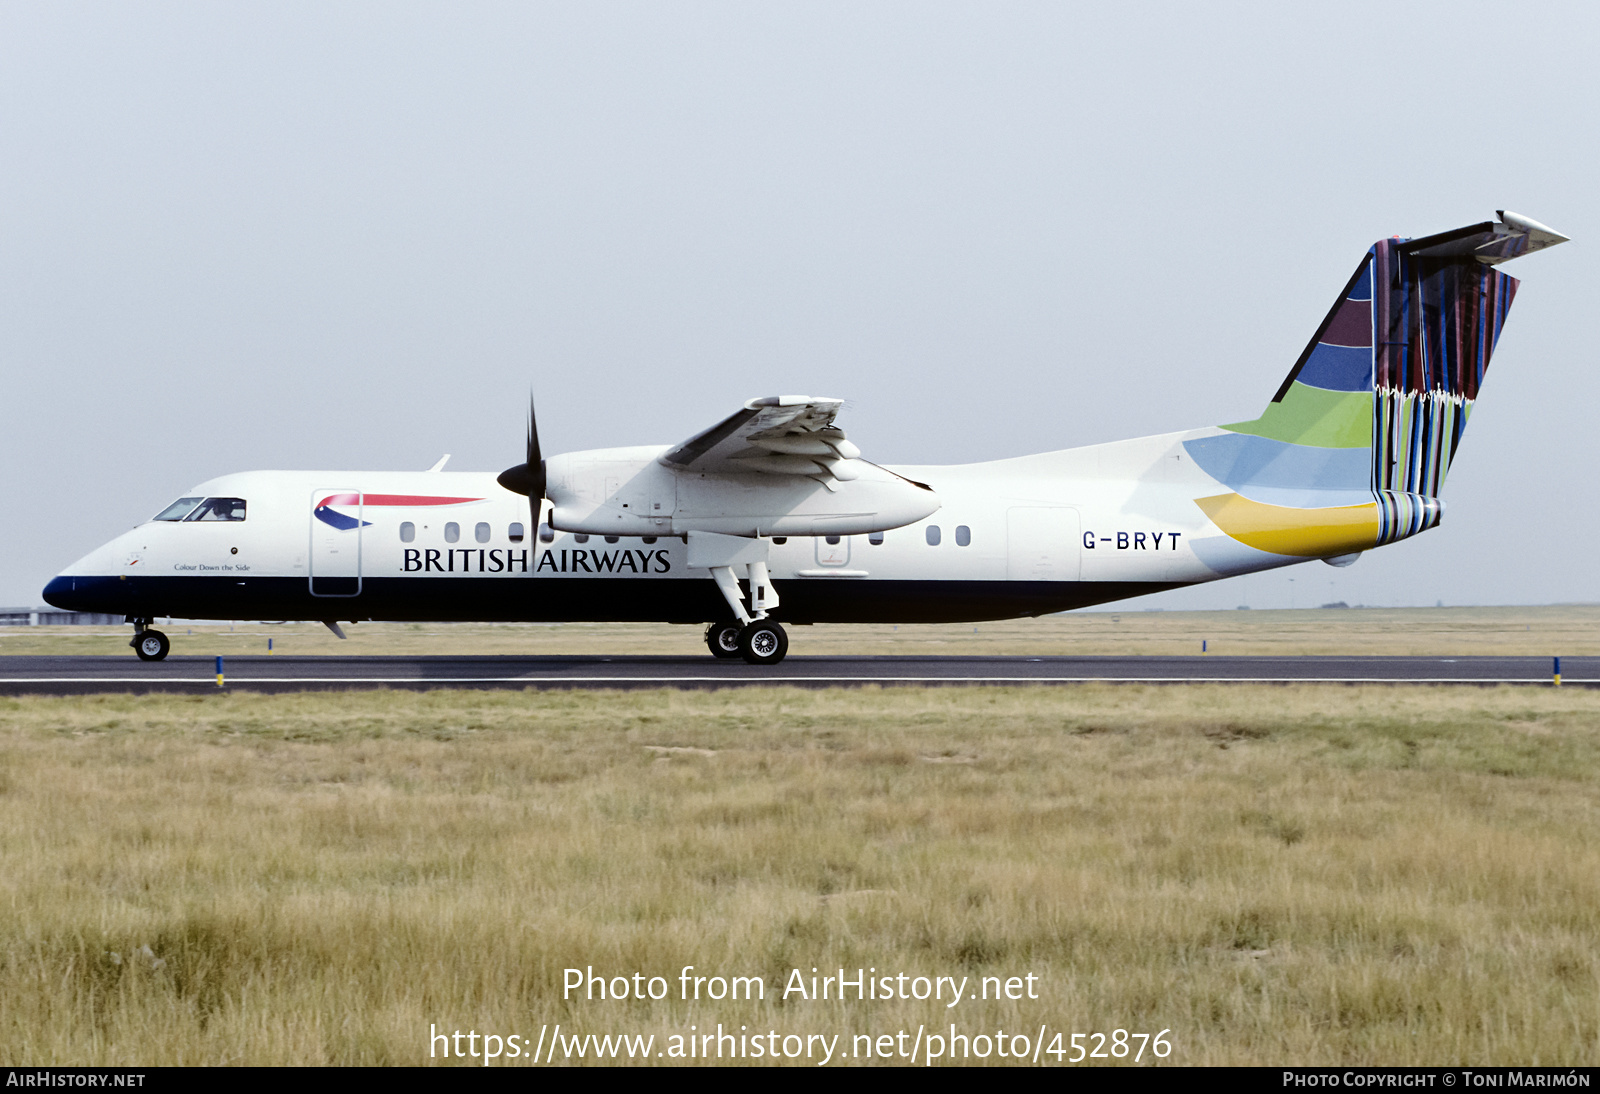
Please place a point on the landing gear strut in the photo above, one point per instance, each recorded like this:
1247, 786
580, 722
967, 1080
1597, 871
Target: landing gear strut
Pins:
148, 644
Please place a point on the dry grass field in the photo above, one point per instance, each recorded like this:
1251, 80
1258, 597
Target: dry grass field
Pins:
1286, 874
1542, 631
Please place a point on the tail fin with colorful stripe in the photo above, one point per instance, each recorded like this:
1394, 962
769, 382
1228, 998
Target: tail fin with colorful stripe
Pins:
1353, 449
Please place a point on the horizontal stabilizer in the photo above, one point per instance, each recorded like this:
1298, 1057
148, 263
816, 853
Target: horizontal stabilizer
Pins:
1490, 243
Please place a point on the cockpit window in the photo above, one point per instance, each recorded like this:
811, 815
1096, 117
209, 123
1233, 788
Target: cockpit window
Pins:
178, 509
219, 509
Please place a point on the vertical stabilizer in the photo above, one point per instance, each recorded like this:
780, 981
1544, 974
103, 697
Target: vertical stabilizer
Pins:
1370, 417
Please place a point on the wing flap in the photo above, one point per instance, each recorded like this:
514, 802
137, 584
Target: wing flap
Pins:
775, 435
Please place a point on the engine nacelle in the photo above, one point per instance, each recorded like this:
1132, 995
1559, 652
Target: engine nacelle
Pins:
629, 492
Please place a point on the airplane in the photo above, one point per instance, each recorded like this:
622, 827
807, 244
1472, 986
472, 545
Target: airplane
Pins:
1350, 454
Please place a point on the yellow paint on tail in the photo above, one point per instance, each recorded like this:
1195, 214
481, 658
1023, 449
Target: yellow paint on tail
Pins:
1303, 533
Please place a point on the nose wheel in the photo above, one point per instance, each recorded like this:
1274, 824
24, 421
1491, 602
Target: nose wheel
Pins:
150, 645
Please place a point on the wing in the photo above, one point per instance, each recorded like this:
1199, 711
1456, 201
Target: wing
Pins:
775, 435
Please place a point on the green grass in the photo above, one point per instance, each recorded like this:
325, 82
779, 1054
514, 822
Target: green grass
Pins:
1276, 875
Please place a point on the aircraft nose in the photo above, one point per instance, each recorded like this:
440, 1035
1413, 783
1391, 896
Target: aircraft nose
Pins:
63, 593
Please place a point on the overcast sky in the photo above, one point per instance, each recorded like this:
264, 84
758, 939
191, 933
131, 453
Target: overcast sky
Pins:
352, 236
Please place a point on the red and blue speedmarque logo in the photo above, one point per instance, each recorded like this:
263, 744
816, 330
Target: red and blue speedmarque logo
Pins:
327, 514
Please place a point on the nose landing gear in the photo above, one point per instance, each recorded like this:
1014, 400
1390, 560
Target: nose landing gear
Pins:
148, 644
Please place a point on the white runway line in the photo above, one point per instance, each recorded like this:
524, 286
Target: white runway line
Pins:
210, 681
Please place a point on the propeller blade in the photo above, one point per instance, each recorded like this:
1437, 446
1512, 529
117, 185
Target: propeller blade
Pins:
528, 477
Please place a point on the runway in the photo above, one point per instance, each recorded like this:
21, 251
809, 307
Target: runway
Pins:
21, 675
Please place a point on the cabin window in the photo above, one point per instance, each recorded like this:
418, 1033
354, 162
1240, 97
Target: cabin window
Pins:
452, 532
581, 537
408, 531
219, 509
481, 532
611, 539
649, 539
515, 533
178, 509
780, 540
933, 535
832, 541
963, 535
547, 534
875, 538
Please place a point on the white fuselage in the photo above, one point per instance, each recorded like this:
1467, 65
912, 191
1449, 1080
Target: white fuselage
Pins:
1010, 538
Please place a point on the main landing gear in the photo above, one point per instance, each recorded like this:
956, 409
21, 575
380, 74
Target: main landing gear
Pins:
750, 633
763, 642
760, 642
148, 644
722, 639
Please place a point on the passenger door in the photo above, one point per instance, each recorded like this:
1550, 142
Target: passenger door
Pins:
335, 555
